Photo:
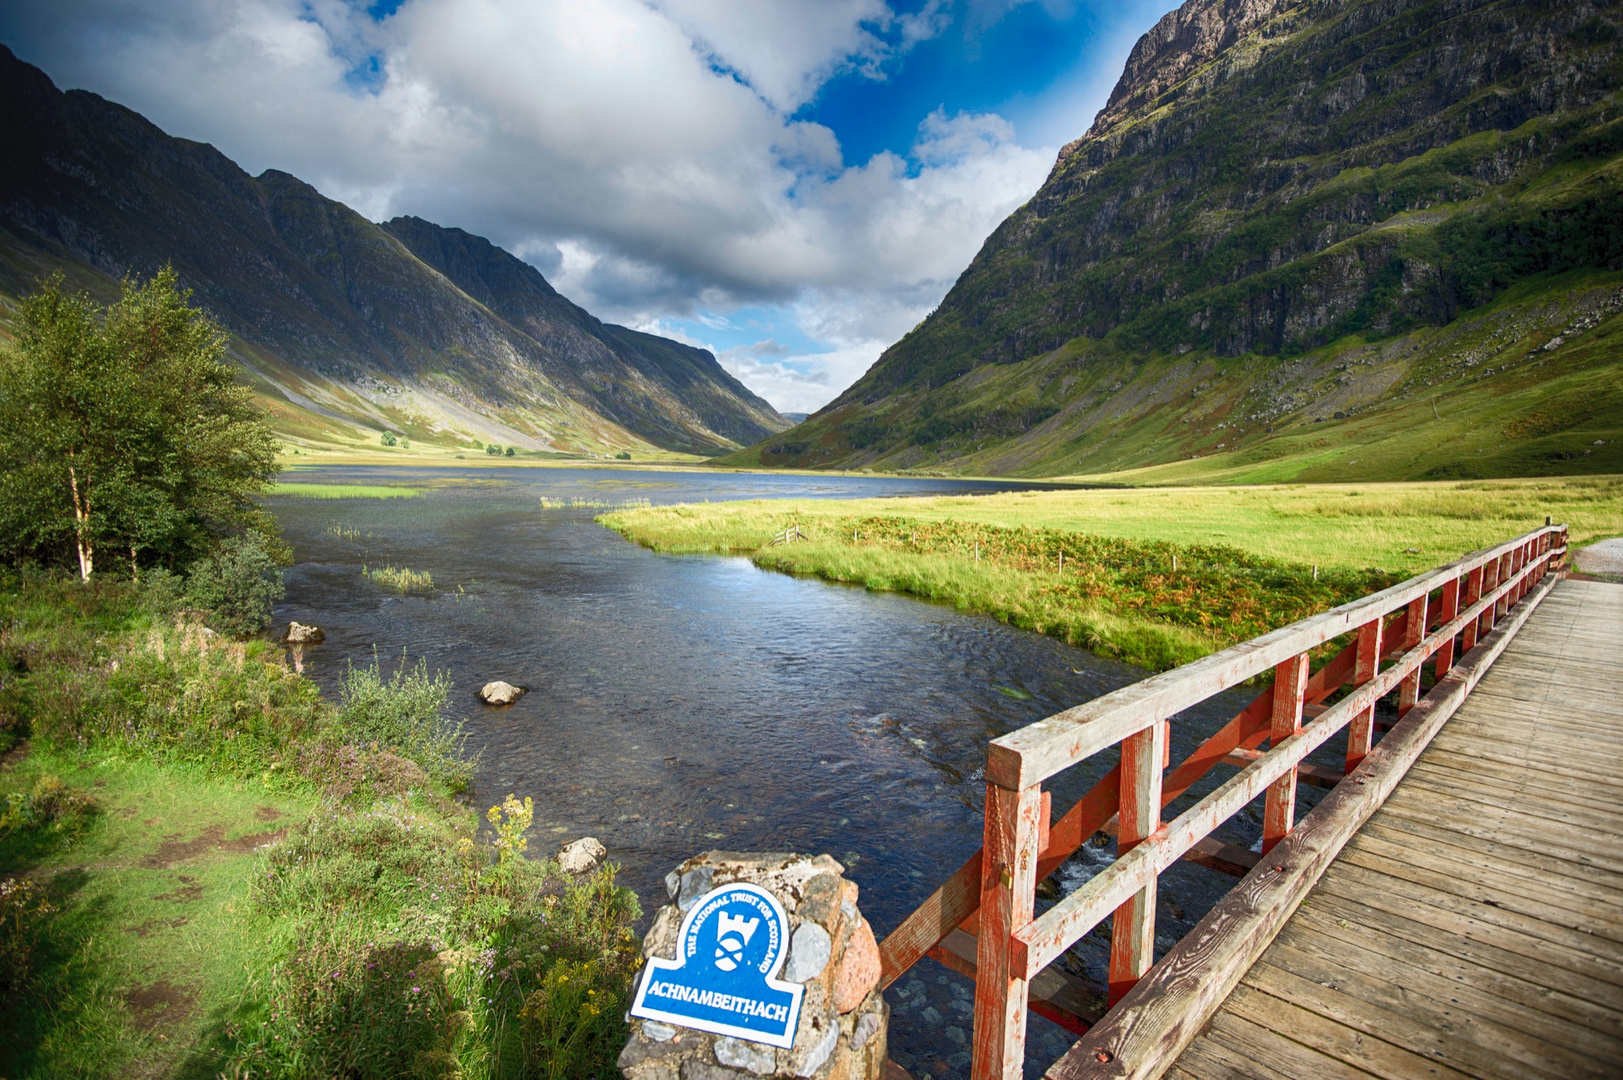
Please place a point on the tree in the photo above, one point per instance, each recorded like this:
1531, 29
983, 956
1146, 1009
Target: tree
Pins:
493, 449
124, 430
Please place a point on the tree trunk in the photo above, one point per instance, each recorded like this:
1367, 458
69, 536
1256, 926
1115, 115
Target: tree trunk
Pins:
81, 518
135, 571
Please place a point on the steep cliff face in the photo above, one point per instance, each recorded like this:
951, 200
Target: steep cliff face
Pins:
338, 316
1275, 187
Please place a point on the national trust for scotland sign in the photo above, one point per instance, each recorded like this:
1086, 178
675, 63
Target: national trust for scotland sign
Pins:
732, 945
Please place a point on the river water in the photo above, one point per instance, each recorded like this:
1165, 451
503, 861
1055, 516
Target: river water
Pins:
684, 703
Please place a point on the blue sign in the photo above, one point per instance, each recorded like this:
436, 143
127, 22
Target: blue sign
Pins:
733, 942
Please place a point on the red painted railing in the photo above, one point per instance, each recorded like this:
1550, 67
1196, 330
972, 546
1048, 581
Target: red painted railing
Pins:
982, 921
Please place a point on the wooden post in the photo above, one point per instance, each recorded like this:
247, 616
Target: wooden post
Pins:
1361, 729
1279, 806
1132, 928
1473, 593
1450, 608
1008, 898
1490, 579
1413, 634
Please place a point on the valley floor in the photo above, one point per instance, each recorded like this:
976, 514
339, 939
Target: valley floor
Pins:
1155, 576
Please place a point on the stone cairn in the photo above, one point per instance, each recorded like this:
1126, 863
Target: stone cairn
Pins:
832, 952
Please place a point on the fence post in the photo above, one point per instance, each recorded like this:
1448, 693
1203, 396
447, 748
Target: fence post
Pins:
1451, 608
1279, 807
1366, 665
1413, 634
1008, 899
1132, 928
1473, 593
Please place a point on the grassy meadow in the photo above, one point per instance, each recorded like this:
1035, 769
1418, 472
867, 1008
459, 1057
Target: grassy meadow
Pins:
1248, 558
207, 869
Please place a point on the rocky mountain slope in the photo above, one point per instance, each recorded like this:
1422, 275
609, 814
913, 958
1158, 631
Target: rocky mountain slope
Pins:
345, 327
1305, 239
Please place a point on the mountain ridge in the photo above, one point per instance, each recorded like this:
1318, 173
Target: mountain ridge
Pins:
341, 327
1287, 210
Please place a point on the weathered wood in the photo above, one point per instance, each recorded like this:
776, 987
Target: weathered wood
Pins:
1279, 806
1008, 894
1168, 1007
1415, 631
1054, 995
1132, 930
932, 921
1361, 729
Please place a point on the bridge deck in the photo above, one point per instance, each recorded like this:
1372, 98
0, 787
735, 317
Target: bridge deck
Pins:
1474, 926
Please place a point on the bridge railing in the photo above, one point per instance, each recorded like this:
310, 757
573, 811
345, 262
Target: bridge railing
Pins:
982, 920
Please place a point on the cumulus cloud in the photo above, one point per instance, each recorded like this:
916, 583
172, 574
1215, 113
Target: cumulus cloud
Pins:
645, 155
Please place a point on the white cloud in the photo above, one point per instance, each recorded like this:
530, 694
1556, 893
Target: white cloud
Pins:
644, 155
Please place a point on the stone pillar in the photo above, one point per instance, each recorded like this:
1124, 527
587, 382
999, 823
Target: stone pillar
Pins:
832, 954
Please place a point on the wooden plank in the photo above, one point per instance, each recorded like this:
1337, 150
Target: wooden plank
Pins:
1207, 1059
1279, 804
1334, 1039
1053, 994
1482, 893
1482, 807
1470, 940
1276, 1051
1523, 1053
1595, 811
1505, 833
1319, 988
1008, 895
1159, 1017
1487, 852
933, 920
1361, 730
1606, 956
1576, 1048
1132, 930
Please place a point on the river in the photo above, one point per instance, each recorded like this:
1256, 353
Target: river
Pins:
684, 703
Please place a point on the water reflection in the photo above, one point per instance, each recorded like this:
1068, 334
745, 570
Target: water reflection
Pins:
680, 704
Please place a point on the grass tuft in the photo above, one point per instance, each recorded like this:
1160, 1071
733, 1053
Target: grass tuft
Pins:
402, 578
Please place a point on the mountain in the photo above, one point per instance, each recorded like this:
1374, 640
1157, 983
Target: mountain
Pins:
343, 326
1305, 239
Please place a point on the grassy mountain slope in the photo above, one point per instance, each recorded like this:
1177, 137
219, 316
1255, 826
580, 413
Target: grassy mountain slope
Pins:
1306, 239
331, 313
649, 384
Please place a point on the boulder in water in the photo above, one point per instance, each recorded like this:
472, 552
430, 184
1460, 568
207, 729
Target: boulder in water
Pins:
581, 856
500, 693
300, 634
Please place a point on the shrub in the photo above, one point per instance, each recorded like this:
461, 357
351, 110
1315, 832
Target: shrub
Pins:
509, 452
237, 585
493, 449
405, 714
388, 438
23, 911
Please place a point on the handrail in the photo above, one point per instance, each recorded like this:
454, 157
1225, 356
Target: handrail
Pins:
993, 894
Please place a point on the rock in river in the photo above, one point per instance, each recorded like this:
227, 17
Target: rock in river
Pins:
500, 693
581, 856
300, 634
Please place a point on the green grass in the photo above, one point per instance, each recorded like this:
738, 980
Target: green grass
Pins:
207, 869
402, 578
344, 491
1250, 559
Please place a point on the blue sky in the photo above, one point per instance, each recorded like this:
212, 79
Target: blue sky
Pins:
793, 183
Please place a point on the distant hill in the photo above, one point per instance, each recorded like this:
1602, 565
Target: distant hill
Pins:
345, 327
1305, 239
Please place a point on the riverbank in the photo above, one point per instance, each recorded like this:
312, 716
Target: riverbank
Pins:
207, 868
1247, 559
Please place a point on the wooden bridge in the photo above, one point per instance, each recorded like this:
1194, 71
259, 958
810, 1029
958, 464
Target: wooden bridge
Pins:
1452, 907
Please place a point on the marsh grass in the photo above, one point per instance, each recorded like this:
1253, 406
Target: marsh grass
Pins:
1249, 559
343, 491
548, 503
402, 578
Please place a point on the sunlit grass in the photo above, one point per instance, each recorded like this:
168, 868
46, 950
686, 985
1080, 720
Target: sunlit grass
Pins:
1250, 558
592, 504
344, 491
400, 577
